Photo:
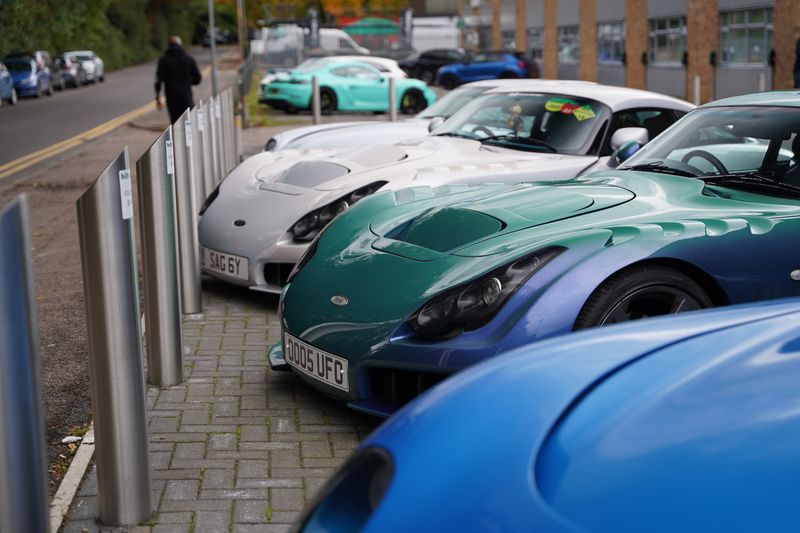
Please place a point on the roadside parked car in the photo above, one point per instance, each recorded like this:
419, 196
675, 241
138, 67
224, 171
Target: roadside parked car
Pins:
347, 134
72, 71
266, 212
8, 93
30, 78
435, 280
424, 65
682, 424
346, 86
387, 67
92, 64
483, 66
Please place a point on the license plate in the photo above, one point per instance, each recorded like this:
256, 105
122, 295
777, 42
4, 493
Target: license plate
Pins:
322, 366
226, 264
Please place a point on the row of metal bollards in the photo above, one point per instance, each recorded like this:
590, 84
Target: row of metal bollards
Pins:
174, 176
316, 106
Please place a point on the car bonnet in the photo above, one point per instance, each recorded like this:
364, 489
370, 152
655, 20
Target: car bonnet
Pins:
520, 399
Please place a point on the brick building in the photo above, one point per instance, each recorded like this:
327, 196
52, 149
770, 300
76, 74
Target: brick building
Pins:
693, 49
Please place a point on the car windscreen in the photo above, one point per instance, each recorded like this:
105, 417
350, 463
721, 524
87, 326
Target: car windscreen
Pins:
84, 57
451, 102
19, 65
721, 140
539, 122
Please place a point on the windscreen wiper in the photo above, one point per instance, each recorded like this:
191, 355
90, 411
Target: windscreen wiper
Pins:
659, 166
753, 181
520, 140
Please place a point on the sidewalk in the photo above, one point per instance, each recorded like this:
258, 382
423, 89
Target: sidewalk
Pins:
236, 447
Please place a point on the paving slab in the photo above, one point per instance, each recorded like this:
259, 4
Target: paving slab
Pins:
235, 447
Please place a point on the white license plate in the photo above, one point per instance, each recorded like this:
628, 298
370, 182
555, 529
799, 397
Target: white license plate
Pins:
322, 366
226, 264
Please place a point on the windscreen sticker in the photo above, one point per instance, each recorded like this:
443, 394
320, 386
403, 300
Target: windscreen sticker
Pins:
570, 107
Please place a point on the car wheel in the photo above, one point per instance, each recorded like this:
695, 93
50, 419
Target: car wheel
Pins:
641, 292
508, 75
13, 99
427, 76
327, 101
449, 82
102, 78
38, 93
412, 102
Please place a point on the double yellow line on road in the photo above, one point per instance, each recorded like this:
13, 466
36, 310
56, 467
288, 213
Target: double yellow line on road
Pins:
12, 167
26, 161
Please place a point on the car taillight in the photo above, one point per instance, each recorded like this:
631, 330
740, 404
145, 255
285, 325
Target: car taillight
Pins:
521, 64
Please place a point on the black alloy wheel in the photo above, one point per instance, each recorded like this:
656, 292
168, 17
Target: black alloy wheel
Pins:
327, 101
449, 82
641, 291
412, 102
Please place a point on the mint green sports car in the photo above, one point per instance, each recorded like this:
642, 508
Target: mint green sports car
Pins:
350, 86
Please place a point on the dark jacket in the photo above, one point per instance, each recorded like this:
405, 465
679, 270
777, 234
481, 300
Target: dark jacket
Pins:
178, 71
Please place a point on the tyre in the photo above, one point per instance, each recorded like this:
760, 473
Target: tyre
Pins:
38, 93
449, 82
412, 102
102, 78
427, 76
640, 292
13, 99
508, 75
327, 101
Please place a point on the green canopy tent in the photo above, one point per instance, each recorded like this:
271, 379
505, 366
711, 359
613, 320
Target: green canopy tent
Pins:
372, 26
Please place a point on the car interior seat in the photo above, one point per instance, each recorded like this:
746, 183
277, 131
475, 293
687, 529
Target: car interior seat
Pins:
657, 124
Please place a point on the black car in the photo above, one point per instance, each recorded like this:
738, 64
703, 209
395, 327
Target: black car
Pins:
423, 65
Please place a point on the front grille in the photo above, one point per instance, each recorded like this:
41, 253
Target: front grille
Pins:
400, 386
277, 273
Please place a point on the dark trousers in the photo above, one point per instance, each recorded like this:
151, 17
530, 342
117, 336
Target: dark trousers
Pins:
177, 104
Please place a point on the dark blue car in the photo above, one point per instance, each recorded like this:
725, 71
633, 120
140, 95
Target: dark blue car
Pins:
483, 66
688, 424
30, 77
7, 92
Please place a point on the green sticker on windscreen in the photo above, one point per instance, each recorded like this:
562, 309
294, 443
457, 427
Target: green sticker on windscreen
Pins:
566, 106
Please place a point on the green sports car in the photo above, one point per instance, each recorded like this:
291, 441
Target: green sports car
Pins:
346, 86
412, 285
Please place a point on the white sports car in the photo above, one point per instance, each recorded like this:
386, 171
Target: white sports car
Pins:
348, 134
92, 64
255, 226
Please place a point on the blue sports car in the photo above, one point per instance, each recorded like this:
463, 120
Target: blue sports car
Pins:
484, 66
687, 424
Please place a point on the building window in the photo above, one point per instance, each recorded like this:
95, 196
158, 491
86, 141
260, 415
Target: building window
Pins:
569, 49
536, 42
610, 41
745, 37
667, 40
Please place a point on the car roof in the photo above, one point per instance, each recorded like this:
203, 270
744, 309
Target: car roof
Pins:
382, 60
617, 98
769, 98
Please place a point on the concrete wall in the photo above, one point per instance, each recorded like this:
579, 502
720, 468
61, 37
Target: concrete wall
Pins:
732, 81
611, 74
668, 80
665, 8
610, 10
568, 12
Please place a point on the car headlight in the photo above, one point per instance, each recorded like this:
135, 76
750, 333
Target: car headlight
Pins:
310, 225
471, 305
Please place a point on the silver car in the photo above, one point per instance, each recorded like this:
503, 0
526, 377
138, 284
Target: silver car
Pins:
256, 225
92, 64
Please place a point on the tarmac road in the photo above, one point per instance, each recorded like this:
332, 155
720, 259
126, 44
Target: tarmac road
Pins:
34, 123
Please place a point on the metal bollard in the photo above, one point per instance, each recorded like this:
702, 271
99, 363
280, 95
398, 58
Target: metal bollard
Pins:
188, 241
226, 138
216, 171
392, 101
204, 126
110, 286
155, 172
316, 108
231, 132
23, 478
197, 158
218, 146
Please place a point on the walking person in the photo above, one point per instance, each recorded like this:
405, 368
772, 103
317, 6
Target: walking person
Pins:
178, 71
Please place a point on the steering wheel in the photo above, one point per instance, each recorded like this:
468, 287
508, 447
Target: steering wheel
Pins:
483, 129
711, 158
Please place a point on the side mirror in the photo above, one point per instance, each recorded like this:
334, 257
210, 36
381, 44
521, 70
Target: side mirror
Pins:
626, 135
623, 153
435, 123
